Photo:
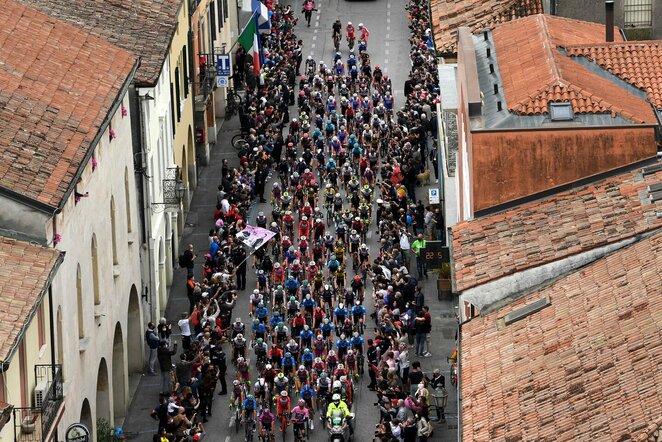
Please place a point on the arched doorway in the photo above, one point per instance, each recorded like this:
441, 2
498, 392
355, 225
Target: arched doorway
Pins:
103, 393
86, 416
134, 339
119, 376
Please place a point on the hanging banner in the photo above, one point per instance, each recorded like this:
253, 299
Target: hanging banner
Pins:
255, 237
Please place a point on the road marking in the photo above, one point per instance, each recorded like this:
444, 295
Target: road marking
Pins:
388, 20
312, 46
232, 419
386, 43
314, 37
386, 61
385, 51
315, 31
227, 438
317, 23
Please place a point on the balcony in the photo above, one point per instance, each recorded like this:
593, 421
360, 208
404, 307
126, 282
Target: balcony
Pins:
206, 81
35, 424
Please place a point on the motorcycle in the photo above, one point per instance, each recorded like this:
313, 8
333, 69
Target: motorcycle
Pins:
339, 430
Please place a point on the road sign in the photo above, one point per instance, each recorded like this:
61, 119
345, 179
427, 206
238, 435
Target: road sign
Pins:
223, 68
433, 196
221, 81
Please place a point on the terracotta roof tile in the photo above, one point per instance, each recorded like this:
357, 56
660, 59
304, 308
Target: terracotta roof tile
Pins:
584, 368
552, 228
449, 15
57, 84
534, 71
144, 27
637, 62
24, 271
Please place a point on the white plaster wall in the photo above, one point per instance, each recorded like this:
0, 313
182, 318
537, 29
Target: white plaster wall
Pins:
159, 147
76, 225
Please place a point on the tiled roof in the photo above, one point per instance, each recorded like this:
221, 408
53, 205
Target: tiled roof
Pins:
24, 271
450, 15
585, 368
57, 84
534, 71
637, 62
553, 228
144, 27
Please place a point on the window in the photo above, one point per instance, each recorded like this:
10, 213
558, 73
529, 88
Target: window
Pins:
79, 298
212, 21
113, 230
561, 112
95, 271
225, 9
221, 19
638, 13
127, 200
172, 110
178, 100
185, 70
40, 324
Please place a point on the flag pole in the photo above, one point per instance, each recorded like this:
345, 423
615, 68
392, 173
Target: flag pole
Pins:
253, 17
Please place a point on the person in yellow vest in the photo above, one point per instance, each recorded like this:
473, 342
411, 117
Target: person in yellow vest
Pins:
416, 247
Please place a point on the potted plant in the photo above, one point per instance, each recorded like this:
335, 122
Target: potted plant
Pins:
444, 288
28, 424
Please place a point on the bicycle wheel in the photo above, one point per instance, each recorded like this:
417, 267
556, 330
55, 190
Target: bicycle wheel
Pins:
239, 144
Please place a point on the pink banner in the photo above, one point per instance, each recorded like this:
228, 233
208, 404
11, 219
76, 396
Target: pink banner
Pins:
255, 237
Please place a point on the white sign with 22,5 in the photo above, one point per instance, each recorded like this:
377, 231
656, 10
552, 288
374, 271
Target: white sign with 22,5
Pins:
433, 196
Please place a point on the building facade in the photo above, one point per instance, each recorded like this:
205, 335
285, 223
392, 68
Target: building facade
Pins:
67, 182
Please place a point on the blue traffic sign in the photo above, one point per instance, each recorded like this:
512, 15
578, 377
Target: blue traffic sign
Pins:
223, 68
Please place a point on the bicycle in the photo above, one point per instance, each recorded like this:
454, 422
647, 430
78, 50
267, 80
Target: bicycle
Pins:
336, 42
299, 429
250, 430
233, 103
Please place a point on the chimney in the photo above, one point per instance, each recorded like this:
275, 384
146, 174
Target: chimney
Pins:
486, 36
496, 88
499, 107
488, 52
609, 20
491, 68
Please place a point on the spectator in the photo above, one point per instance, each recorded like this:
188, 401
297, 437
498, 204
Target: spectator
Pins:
152, 340
165, 364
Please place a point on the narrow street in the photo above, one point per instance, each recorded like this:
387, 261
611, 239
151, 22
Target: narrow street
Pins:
388, 47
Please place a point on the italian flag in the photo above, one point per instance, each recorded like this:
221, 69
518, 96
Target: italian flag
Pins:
249, 40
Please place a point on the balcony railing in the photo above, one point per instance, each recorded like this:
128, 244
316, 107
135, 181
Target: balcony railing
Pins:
206, 81
33, 424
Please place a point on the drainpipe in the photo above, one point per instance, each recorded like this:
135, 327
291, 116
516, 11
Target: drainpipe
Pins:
148, 291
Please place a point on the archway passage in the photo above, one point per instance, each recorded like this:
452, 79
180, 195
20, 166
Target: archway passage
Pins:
103, 393
119, 376
134, 333
86, 416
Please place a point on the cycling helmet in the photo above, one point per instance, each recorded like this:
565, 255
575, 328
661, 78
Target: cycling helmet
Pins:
283, 393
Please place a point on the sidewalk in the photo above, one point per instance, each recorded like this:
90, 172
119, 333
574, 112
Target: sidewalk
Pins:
200, 215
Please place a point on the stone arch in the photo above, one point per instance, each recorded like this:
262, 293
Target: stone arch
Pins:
119, 376
103, 393
86, 416
134, 333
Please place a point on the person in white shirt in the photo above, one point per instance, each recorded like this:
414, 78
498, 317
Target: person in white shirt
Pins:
185, 328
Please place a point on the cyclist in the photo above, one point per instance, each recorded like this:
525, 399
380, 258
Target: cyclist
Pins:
250, 407
350, 35
281, 384
282, 407
337, 28
266, 423
300, 416
308, 8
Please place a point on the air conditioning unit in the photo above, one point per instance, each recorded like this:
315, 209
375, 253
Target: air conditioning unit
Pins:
40, 392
